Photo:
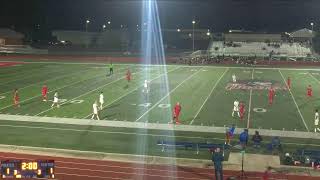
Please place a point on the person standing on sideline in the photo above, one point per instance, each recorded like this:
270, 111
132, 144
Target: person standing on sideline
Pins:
316, 121
217, 158
244, 137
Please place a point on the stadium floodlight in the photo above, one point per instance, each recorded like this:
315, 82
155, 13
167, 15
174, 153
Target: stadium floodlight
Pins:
193, 23
88, 21
208, 33
178, 30
311, 23
230, 31
109, 22
104, 26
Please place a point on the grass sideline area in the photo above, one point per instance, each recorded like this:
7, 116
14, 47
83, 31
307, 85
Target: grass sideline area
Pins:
205, 92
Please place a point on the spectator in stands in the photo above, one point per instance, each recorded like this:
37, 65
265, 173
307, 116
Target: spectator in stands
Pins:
244, 137
217, 158
256, 138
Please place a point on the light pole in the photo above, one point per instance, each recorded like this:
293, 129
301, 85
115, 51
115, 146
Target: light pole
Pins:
87, 23
311, 33
193, 23
109, 24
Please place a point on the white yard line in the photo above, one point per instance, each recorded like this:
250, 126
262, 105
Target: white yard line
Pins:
302, 118
167, 95
314, 77
55, 90
42, 82
205, 101
250, 101
116, 80
132, 91
208, 66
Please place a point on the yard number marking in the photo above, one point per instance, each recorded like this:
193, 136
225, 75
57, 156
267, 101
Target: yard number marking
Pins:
259, 110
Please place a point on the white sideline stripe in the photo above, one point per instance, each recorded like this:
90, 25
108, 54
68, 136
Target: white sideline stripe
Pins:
250, 101
56, 89
89, 176
137, 125
205, 101
167, 95
132, 91
58, 77
85, 93
302, 118
211, 66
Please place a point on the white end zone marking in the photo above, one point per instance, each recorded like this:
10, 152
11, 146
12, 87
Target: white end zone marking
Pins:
215, 85
302, 118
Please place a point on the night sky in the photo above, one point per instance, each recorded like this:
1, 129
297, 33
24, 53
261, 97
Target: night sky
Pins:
218, 15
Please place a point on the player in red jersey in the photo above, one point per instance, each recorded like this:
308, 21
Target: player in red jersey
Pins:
241, 110
16, 98
44, 93
128, 75
309, 91
176, 113
289, 83
271, 95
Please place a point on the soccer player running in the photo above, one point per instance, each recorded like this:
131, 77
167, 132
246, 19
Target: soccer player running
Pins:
234, 78
176, 113
235, 108
271, 95
316, 121
101, 100
95, 110
44, 93
145, 87
241, 110
309, 91
16, 98
128, 76
289, 83
55, 100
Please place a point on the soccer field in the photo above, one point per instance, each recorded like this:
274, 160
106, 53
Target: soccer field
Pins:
205, 93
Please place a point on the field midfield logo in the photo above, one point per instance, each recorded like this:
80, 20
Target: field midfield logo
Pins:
255, 85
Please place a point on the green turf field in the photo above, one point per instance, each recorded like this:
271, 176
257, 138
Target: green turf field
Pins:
206, 94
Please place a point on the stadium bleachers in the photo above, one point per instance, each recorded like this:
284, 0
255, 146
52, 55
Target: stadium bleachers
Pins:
21, 49
258, 48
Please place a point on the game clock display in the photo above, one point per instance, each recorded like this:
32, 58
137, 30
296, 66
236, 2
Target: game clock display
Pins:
27, 169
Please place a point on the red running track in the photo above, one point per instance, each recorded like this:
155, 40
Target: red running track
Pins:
83, 169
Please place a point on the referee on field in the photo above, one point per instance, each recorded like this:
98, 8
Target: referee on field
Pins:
110, 69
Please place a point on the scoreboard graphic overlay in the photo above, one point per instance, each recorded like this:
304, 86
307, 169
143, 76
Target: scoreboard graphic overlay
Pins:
27, 169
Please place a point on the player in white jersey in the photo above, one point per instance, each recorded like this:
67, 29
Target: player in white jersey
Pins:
95, 110
101, 100
145, 86
234, 78
316, 121
55, 100
236, 108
